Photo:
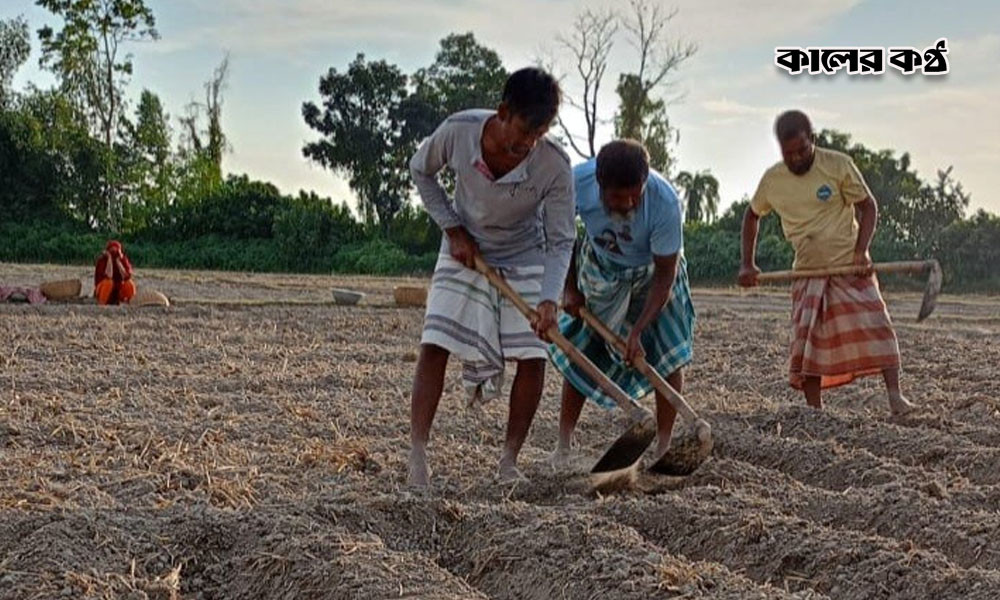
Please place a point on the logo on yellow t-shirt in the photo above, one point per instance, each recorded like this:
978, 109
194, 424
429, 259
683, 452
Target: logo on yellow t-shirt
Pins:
824, 192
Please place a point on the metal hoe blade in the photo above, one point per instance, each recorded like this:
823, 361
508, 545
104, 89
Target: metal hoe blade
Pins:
628, 448
932, 290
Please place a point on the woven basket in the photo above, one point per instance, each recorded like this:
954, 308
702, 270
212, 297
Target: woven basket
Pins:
66, 289
149, 298
410, 296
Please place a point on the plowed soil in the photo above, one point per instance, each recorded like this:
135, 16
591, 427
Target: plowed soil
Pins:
251, 440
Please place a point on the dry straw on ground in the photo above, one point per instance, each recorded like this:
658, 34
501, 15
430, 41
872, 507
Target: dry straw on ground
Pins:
251, 442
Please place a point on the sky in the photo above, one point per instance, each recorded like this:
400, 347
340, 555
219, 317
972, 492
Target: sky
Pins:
723, 100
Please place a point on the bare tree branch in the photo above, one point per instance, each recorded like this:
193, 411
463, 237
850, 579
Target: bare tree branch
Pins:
546, 60
658, 58
571, 138
644, 93
213, 106
589, 44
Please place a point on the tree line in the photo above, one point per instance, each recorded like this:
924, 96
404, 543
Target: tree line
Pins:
80, 163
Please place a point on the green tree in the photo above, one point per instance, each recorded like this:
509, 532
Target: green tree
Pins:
713, 249
196, 167
309, 230
151, 134
641, 115
937, 207
50, 166
644, 119
88, 56
361, 125
701, 195
213, 109
88, 53
464, 74
970, 252
209, 144
15, 46
414, 231
912, 213
239, 208
151, 164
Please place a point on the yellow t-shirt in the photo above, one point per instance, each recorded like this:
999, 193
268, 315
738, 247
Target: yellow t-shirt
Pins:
816, 209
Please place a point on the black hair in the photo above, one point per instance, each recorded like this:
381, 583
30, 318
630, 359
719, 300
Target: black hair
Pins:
533, 95
790, 124
622, 164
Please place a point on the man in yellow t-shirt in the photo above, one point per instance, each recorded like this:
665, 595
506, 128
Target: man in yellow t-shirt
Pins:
840, 325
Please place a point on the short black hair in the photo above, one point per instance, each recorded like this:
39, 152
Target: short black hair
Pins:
622, 164
791, 123
533, 95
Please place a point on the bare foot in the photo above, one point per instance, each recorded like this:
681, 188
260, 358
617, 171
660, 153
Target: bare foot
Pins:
508, 472
420, 473
561, 458
900, 406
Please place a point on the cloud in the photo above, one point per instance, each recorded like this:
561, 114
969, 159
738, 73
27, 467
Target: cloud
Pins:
942, 126
297, 25
984, 48
723, 24
293, 25
723, 111
974, 59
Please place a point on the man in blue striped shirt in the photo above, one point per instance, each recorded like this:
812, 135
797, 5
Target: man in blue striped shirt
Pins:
630, 272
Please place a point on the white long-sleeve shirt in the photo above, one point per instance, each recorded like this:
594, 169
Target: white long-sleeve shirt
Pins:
524, 218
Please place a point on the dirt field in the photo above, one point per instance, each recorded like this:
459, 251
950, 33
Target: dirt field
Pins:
250, 442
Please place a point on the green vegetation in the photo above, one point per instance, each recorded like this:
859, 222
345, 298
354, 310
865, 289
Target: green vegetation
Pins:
78, 165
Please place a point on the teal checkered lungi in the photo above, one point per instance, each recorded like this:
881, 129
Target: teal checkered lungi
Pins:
616, 294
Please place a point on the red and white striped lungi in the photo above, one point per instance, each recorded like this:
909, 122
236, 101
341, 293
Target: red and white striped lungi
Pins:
841, 330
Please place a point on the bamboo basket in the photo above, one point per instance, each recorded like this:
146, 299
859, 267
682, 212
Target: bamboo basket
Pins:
406, 295
65, 289
149, 298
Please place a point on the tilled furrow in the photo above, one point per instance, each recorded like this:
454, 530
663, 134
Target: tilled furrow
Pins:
524, 552
966, 537
830, 465
915, 446
748, 535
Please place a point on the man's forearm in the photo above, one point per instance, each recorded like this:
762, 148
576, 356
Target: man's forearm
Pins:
659, 292
866, 226
751, 225
557, 262
571, 282
435, 200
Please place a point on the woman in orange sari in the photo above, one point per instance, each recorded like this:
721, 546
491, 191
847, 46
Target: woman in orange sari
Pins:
113, 276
